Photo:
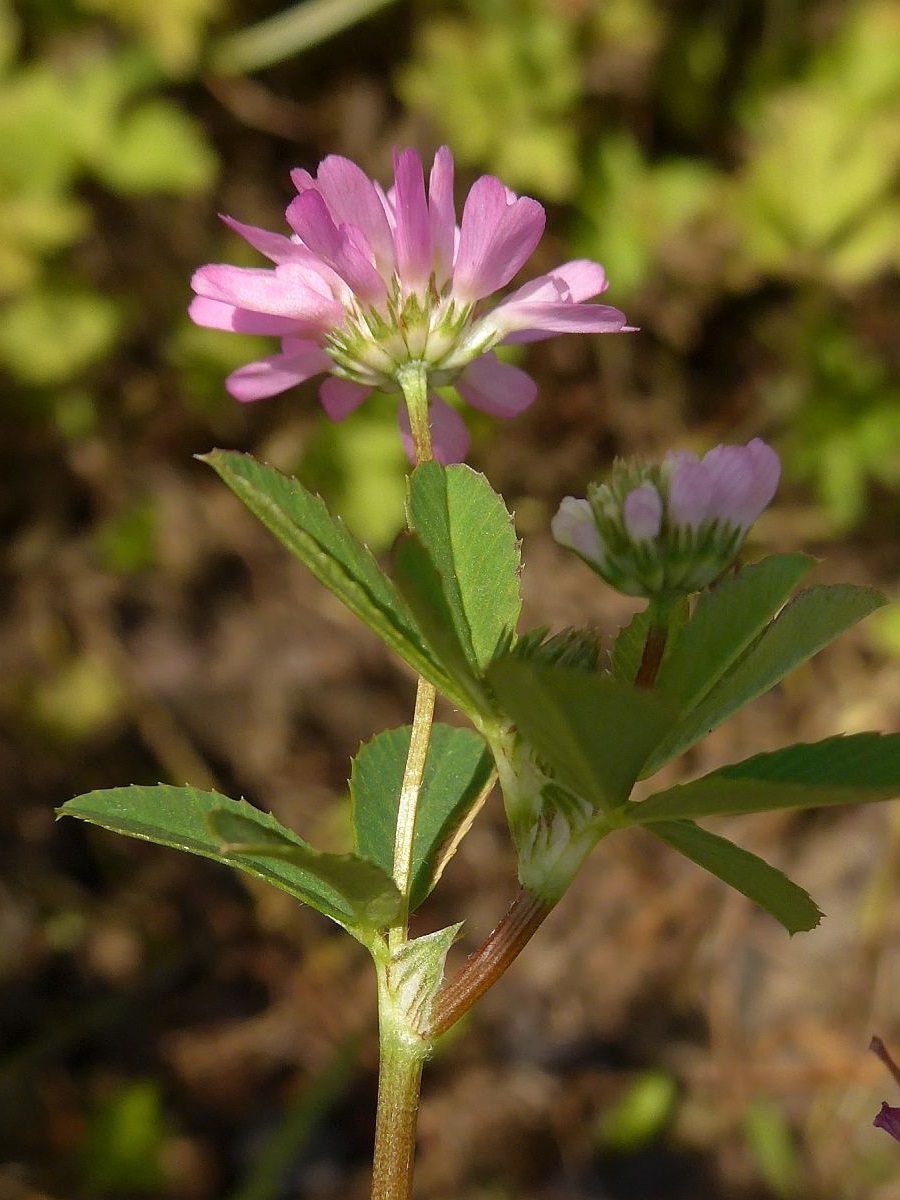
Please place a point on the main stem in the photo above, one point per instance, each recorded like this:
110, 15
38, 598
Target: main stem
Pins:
399, 1077
401, 1050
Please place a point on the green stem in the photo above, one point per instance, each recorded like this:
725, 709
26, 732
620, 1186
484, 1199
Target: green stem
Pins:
486, 964
413, 380
402, 1055
402, 1050
407, 810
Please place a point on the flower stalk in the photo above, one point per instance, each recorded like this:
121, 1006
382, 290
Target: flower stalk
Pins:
486, 964
423, 717
413, 380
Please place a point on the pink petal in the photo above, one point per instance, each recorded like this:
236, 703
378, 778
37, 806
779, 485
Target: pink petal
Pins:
342, 249
642, 513
496, 387
690, 491
215, 314
496, 238
570, 283
387, 203
413, 233
523, 321
282, 249
353, 200
269, 376
301, 179
442, 215
275, 246
743, 480
449, 436
340, 397
284, 292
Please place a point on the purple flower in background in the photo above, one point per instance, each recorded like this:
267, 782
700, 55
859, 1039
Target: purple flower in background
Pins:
888, 1118
670, 528
370, 281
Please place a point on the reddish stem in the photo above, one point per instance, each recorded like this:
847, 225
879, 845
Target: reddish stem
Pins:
486, 964
654, 647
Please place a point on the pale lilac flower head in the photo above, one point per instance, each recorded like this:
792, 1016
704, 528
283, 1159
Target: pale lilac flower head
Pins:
671, 528
370, 281
730, 484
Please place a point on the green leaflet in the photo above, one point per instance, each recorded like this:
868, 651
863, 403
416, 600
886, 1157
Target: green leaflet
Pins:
458, 773
856, 769
788, 903
726, 620
304, 525
810, 621
351, 891
467, 532
594, 731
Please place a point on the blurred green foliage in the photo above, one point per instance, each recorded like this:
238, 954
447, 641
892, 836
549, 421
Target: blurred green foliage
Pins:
514, 72
843, 426
124, 1142
632, 207
771, 1142
641, 1115
817, 194
86, 109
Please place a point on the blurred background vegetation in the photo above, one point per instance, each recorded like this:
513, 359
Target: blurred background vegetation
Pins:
165, 1032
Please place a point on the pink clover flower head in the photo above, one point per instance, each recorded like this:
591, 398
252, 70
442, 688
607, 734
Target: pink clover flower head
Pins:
673, 528
369, 281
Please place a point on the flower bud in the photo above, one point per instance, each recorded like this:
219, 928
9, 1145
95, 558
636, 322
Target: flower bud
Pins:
642, 513
574, 527
671, 528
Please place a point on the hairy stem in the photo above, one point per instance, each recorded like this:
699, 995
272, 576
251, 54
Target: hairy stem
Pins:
402, 1054
486, 964
401, 1050
420, 737
413, 380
